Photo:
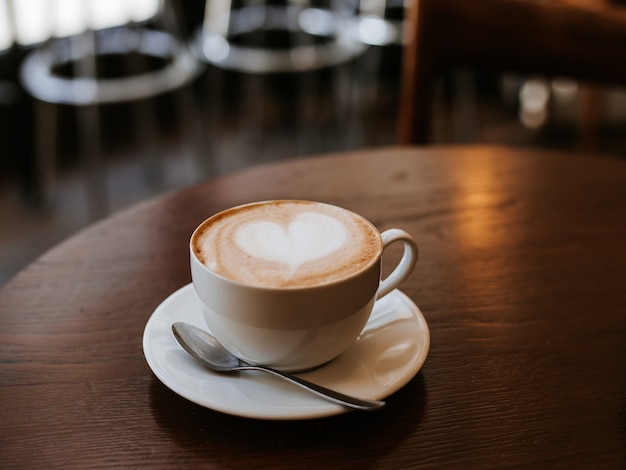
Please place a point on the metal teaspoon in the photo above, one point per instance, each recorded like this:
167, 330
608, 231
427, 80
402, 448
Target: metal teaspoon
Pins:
205, 349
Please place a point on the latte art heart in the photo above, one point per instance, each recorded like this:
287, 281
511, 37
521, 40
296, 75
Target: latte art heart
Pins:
285, 244
309, 236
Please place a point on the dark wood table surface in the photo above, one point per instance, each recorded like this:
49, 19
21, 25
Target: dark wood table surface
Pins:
521, 277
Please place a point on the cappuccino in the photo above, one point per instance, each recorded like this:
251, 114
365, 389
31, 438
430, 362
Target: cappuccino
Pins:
283, 244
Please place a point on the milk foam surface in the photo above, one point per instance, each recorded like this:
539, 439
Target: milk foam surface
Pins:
286, 244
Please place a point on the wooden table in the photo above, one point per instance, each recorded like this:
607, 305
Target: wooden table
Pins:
522, 279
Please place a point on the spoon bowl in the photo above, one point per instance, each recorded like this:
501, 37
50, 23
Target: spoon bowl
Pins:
205, 349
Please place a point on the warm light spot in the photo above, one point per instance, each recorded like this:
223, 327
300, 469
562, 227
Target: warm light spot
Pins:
476, 224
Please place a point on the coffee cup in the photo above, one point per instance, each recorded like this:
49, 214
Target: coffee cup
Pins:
291, 284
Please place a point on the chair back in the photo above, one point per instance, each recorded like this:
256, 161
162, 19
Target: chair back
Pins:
579, 39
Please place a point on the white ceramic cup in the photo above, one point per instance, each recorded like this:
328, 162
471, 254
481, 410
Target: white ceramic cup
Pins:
296, 328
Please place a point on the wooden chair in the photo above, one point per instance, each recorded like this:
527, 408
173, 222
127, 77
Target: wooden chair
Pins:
580, 39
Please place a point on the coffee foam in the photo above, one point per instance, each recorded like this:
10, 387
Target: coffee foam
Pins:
286, 244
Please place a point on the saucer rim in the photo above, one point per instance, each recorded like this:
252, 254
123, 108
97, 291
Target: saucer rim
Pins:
323, 409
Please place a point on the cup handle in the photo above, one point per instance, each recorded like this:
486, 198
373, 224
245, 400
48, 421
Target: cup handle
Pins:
406, 264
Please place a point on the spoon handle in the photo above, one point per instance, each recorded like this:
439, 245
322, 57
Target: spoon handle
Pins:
332, 395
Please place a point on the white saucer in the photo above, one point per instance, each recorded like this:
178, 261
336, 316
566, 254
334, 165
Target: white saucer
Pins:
388, 354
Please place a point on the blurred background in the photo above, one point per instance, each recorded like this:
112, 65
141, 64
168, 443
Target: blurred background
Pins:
104, 103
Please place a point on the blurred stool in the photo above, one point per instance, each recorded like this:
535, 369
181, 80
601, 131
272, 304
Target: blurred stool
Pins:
379, 24
267, 38
301, 47
68, 71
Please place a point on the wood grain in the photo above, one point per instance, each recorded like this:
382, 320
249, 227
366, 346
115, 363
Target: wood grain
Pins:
521, 278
